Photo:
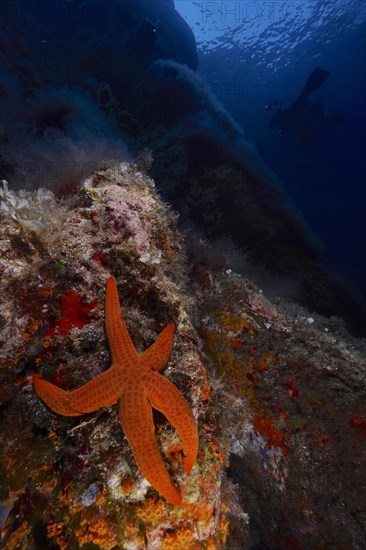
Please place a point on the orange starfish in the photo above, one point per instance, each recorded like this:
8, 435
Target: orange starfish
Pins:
134, 382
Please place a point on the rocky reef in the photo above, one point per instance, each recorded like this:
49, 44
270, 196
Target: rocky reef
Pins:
294, 398
278, 394
71, 482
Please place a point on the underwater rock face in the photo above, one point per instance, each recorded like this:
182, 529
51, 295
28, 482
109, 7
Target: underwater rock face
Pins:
68, 41
294, 403
71, 482
75, 103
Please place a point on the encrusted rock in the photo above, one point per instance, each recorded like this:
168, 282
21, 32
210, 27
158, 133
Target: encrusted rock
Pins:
71, 481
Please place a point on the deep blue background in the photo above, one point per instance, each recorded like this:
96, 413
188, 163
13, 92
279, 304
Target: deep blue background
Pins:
249, 56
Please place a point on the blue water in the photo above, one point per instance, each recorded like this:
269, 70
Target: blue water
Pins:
251, 52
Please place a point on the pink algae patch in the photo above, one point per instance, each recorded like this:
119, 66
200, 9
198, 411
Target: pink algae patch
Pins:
74, 313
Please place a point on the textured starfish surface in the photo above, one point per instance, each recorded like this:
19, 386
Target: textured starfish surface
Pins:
134, 382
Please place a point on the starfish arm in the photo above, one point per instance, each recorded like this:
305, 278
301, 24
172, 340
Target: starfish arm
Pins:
156, 356
122, 349
137, 423
166, 398
100, 392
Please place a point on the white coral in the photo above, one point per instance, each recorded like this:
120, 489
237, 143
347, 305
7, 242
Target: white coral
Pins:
25, 207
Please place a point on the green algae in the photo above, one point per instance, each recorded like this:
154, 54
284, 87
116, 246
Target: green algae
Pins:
59, 267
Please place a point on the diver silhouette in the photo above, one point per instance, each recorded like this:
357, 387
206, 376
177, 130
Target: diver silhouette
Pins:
304, 118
